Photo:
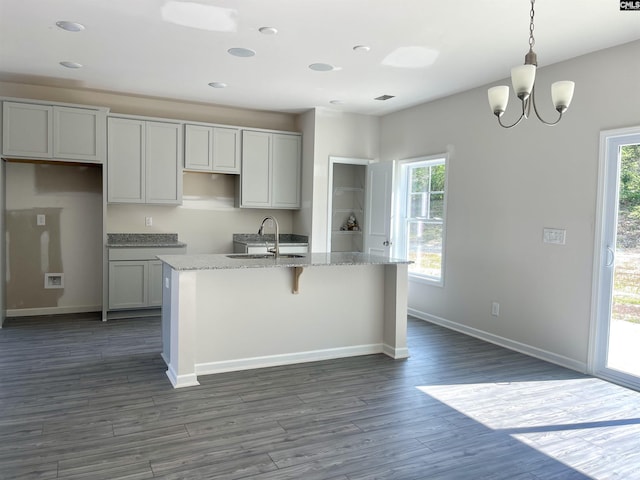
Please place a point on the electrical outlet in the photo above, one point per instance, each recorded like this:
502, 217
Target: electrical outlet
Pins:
148, 221
495, 309
41, 220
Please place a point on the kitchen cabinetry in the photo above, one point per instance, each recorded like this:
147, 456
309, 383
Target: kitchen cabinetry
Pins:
53, 132
144, 162
135, 277
212, 149
271, 165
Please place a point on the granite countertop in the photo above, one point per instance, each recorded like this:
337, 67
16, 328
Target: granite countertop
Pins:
253, 239
143, 240
223, 262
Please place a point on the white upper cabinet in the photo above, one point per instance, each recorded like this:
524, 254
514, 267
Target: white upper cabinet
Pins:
286, 160
144, 161
78, 134
212, 149
53, 132
125, 161
270, 175
163, 163
255, 179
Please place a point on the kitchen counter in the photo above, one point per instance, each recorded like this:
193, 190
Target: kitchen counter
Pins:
223, 314
223, 261
144, 240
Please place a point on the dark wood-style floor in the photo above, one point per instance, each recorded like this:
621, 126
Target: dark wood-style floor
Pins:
82, 399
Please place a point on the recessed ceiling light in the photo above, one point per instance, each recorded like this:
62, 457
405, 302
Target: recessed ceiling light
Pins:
268, 30
337, 102
241, 52
321, 67
218, 85
361, 48
71, 64
384, 97
70, 26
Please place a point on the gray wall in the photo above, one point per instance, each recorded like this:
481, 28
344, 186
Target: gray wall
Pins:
504, 187
333, 133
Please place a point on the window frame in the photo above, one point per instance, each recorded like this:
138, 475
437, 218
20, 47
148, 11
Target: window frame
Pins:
401, 226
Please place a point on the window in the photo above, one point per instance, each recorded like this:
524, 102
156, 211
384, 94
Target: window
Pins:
422, 212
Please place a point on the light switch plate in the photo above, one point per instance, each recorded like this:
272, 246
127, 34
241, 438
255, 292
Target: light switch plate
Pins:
556, 236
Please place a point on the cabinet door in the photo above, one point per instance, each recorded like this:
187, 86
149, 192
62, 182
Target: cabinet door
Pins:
198, 147
286, 162
125, 160
155, 283
27, 130
163, 158
128, 284
226, 150
255, 178
78, 134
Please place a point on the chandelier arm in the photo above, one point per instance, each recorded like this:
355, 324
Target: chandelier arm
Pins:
522, 116
535, 109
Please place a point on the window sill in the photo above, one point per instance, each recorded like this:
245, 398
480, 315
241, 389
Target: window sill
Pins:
416, 278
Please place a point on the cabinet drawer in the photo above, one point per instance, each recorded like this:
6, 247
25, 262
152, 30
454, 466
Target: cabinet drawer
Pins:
143, 253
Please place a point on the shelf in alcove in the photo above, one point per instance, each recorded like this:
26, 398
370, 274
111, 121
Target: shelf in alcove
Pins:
346, 232
348, 189
347, 210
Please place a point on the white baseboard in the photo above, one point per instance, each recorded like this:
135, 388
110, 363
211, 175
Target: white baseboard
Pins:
286, 359
181, 381
395, 353
501, 341
30, 312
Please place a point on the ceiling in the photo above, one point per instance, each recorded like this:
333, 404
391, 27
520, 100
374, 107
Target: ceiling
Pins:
418, 50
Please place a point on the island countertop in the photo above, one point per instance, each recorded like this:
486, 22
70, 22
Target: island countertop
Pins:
224, 262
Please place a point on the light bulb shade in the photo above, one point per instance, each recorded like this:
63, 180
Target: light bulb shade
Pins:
522, 78
561, 94
498, 98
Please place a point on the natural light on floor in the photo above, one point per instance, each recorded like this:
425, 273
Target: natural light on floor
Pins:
544, 415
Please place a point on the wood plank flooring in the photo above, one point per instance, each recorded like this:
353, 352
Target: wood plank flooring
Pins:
82, 399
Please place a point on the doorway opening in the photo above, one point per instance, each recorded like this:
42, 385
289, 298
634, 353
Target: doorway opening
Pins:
347, 204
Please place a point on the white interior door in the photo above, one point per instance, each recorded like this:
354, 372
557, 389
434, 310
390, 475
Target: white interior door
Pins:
379, 208
615, 354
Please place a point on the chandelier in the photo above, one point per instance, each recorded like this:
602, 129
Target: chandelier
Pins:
523, 81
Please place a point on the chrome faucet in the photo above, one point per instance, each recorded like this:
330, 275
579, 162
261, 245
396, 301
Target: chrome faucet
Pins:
276, 249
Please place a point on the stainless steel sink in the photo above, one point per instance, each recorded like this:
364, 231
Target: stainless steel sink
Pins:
253, 256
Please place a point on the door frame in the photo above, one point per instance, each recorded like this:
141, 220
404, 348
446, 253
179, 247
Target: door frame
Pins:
332, 161
603, 261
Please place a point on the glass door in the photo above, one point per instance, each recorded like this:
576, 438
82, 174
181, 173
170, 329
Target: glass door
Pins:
617, 349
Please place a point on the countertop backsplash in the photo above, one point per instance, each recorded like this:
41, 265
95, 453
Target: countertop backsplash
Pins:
250, 238
143, 240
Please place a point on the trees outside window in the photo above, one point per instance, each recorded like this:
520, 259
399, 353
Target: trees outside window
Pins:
422, 216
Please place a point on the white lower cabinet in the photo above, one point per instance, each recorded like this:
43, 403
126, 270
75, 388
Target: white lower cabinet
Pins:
135, 277
128, 284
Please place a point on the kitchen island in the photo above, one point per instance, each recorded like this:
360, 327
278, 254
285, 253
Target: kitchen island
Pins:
223, 313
